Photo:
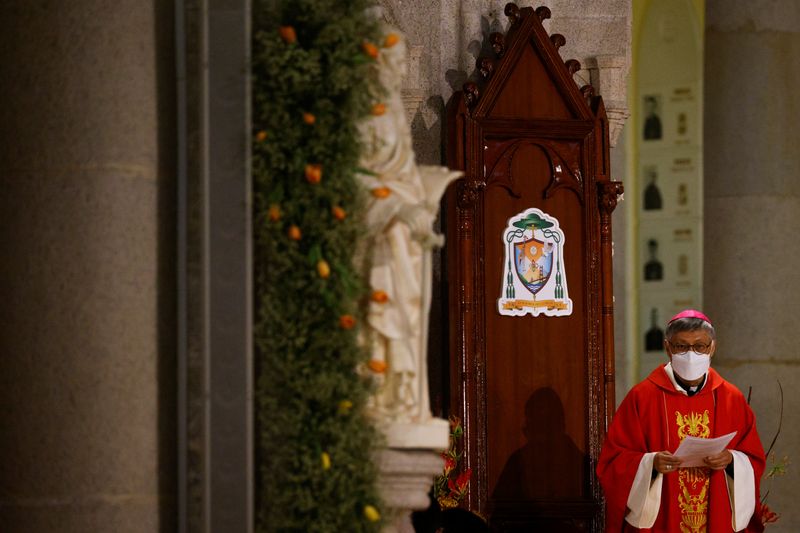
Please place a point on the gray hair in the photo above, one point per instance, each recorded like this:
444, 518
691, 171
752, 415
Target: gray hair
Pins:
689, 324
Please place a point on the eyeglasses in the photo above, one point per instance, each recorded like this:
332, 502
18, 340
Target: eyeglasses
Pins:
681, 349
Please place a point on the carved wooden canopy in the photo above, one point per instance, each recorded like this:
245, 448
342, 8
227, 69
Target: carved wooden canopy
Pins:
534, 392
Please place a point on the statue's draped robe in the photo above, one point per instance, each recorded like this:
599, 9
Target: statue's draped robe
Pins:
397, 258
655, 416
399, 237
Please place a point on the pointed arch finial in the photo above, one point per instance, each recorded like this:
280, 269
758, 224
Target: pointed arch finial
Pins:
485, 66
543, 12
498, 42
573, 66
558, 40
471, 93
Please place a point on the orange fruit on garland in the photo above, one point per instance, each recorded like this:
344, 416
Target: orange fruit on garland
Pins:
274, 213
381, 192
344, 407
379, 367
370, 49
313, 173
371, 513
288, 34
378, 109
326, 461
323, 269
391, 40
379, 297
347, 321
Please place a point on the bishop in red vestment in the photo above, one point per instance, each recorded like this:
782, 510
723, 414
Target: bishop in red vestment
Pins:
646, 487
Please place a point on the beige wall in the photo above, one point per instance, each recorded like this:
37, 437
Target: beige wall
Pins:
87, 275
449, 35
752, 213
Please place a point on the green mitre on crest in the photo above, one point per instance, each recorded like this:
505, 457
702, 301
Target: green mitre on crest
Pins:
533, 221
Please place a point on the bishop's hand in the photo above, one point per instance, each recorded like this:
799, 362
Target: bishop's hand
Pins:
719, 461
664, 462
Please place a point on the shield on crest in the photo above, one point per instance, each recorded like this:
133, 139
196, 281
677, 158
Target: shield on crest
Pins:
534, 278
533, 260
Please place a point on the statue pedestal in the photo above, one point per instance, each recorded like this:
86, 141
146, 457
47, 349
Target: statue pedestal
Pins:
407, 467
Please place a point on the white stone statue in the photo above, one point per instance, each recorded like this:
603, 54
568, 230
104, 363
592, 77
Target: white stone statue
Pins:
403, 204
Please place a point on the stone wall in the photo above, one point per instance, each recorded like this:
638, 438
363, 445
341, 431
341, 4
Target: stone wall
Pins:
445, 38
752, 213
87, 318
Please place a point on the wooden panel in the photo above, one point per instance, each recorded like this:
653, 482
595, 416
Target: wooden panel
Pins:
533, 76
527, 362
534, 393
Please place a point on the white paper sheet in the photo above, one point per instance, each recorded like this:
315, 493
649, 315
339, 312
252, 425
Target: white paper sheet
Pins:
693, 450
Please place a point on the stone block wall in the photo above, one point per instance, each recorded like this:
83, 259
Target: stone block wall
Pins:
87, 319
752, 212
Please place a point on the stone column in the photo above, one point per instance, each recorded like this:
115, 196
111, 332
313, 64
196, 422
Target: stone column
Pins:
87, 278
408, 466
752, 213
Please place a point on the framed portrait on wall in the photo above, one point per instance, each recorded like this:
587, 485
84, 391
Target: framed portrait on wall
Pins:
652, 125
669, 254
652, 197
670, 185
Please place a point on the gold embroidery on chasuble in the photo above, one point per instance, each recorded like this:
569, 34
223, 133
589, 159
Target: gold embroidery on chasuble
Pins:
693, 424
693, 482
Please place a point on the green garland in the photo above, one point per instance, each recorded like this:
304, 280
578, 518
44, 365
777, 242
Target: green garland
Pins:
314, 79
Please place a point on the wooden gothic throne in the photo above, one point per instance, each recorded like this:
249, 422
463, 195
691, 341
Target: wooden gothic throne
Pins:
534, 388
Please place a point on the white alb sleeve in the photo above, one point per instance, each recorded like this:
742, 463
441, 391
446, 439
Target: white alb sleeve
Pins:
741, 491
644, 499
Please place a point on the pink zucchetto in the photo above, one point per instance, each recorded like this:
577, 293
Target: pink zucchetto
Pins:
690, 313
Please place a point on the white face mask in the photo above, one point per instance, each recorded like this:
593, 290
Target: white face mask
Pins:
691, 365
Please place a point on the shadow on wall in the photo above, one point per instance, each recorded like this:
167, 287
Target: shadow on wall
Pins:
549, 465
457, 78
427, 141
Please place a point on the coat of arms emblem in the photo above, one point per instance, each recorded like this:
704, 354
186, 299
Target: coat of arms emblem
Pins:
534, 278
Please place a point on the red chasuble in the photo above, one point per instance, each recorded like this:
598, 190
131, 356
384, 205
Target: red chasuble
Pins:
654, 417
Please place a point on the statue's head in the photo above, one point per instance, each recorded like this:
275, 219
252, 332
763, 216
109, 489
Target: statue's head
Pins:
392, 60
